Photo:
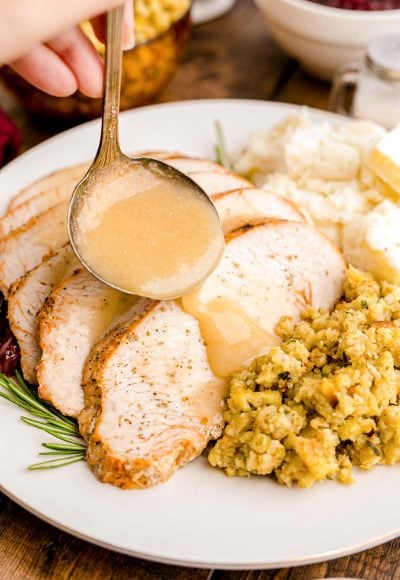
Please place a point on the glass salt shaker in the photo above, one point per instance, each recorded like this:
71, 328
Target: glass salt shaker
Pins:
371, 89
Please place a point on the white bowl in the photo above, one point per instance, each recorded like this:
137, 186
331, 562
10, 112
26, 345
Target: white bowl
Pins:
324, 38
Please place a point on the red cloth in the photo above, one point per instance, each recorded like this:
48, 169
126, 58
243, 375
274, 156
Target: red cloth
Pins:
10, 139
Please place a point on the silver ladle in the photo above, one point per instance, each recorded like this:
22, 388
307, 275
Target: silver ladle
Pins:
110, 163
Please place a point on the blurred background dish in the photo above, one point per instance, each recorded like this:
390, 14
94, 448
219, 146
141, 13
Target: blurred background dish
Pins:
161, 31
360, 4
324, 38
205, 10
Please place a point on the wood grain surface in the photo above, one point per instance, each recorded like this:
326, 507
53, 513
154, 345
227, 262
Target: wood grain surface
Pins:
230, 57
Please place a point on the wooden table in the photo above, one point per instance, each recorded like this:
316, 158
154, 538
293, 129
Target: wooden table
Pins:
231, 57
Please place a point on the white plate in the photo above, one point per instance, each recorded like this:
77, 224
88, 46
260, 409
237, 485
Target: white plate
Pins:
200, 517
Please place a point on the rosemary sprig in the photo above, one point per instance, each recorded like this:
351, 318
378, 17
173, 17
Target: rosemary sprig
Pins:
52, 463
221, 154
73, 448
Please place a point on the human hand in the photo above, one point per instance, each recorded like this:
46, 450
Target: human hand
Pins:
41, 41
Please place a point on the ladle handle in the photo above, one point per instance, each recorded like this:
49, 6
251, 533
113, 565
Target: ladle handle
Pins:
109, 148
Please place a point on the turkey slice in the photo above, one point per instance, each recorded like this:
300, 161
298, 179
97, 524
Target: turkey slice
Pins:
63, 179
191, 165
151, 400
216, 182
277, 268
243, 206
25, 247
20, 215
27, 297
76, 314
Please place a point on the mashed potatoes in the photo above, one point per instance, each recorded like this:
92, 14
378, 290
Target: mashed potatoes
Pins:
325, 168
326, 399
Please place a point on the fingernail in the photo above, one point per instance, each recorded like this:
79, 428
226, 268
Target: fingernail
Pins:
129, 44
129, 40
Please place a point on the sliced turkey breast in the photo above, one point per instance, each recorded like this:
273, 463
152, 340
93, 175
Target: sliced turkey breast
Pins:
191, 165
65, 178
151, 400
20, 215
277, 268
27, 297
215, 182
74, 317
25, 247
245, 206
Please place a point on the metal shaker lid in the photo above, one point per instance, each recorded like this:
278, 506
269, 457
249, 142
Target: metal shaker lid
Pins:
383, 57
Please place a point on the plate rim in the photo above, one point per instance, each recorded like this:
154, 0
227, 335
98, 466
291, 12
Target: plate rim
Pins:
291, 107
212, 566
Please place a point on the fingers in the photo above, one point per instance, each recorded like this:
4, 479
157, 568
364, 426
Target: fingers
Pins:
66, 64
23, 23
47, 71
78, 53
128, 39
68, 61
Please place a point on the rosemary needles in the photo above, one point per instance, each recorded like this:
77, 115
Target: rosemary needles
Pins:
49, 420
221, 154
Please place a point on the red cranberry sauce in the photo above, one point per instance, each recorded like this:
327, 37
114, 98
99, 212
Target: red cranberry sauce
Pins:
360, 4
9, 351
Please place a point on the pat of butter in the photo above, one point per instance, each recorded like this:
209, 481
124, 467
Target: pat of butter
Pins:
372, 242
384, 161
